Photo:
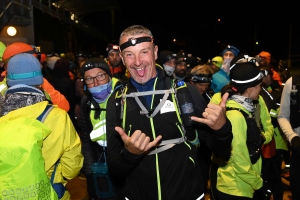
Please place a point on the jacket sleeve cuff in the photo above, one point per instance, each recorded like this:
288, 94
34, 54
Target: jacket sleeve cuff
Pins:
130, 158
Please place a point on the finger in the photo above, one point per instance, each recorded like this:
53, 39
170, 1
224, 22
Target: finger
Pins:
121, 132
153, 143
201, 120
224, 99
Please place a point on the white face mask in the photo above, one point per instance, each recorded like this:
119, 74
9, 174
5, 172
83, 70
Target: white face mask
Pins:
169, 70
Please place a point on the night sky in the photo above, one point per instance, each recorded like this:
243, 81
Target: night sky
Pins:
196, 28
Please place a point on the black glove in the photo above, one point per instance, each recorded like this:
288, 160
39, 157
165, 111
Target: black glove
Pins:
265, 189
296, 145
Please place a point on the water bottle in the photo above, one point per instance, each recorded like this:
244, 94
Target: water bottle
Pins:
185, 104
102, 181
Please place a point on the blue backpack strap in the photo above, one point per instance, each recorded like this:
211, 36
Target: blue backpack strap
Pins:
45, 113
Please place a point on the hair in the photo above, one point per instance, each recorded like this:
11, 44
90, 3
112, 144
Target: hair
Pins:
202, 69
135, 30
228, 88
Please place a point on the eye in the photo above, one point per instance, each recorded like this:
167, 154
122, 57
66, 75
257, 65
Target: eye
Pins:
88, 79
128, 55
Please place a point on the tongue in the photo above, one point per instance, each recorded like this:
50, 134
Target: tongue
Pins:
141, 73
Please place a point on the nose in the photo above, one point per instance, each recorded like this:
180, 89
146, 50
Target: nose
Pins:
137, 61
96, 82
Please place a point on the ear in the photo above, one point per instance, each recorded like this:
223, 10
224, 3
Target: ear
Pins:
155, 52
121, 55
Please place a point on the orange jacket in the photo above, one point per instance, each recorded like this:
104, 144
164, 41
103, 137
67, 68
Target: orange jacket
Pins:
276, 76
56, 97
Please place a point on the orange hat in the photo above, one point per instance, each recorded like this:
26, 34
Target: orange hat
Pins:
266, 55
16, 48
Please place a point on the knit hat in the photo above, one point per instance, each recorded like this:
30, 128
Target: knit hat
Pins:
165, 56
265, 55
51, 61
112, 47
181, 57
218, 60
96, 63
2, 48
244, 73
233, 49
25, 69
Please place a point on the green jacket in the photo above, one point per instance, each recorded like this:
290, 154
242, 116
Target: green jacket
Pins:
268, 129
63, 143
239, 177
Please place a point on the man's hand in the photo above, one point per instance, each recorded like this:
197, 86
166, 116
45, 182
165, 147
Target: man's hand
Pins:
214, 115
138, 142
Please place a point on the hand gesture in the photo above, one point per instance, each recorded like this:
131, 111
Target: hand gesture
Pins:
138, 142
214, 115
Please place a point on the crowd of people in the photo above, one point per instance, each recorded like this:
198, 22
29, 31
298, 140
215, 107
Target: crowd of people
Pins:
164, 123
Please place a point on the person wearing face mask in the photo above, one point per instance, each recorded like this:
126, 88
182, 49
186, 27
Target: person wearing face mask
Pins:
221, 78
180, 72
166, 60
99, 85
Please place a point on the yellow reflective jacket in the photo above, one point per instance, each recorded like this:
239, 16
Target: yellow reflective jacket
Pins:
62, 144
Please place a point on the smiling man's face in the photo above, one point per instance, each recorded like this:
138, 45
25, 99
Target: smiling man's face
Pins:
140, 59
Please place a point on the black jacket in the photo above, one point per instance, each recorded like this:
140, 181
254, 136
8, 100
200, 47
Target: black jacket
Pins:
171, 174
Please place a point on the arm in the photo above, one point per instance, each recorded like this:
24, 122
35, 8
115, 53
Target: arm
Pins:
284, 112
86, 128
66, 146
268, 129
215, 117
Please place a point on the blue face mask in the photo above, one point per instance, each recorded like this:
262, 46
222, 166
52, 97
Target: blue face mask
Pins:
101, 92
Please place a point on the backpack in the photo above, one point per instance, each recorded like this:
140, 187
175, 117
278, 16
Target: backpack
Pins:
255, 139
22, 172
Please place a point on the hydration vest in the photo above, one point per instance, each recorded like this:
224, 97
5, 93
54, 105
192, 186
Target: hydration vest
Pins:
255, 139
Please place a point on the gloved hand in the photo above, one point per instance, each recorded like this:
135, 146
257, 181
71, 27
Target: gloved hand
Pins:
265, 189
296, 145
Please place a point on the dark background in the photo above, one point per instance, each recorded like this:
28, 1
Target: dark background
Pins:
193, 24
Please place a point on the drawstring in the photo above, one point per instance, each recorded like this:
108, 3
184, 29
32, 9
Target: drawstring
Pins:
103, 154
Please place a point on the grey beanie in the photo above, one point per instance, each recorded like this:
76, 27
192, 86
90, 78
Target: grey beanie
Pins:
25, 69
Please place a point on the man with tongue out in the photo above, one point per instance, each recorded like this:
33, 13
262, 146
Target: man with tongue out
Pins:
147, 144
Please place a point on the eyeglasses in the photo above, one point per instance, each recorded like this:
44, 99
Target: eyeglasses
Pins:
99, 77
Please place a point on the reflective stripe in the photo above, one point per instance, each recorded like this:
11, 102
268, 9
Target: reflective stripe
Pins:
3, 87
167, 144
201, 197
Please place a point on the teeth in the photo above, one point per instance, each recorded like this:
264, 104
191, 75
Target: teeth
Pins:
139, 69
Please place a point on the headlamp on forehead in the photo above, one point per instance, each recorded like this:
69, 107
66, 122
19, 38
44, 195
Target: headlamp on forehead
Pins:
134, 41
246, 59
90, 65
201, 78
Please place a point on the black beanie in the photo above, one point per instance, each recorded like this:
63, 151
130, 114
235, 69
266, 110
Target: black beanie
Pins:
244, 75
96, 63
165, 56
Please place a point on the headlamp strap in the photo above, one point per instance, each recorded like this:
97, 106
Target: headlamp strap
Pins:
134, 41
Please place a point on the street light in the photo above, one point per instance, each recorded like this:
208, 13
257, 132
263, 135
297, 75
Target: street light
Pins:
11, 31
